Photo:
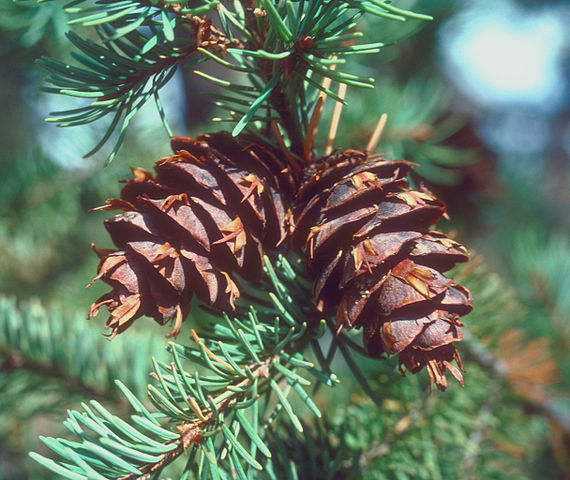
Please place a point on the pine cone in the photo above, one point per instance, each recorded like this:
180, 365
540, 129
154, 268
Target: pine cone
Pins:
375, 263
211, 210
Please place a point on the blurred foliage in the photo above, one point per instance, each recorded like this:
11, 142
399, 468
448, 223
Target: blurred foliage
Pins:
417, 127
45, 229
529, 235
27, 23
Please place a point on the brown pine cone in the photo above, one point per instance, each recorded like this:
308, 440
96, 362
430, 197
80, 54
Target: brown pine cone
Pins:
211, 210
375, 263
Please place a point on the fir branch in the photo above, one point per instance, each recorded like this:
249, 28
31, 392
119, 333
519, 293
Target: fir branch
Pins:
125, 71
237, 363
190, 431
281, 46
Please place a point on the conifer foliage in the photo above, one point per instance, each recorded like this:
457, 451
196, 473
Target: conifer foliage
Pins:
232, 214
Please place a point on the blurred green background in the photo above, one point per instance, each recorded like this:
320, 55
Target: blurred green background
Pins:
479, 98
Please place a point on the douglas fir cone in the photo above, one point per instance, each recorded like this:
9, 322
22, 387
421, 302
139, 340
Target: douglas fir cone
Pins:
211, 209
375, 263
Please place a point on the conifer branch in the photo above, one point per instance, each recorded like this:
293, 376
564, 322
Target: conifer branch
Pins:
242, 362
123, 72
190, 431
209, 213
282, 47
